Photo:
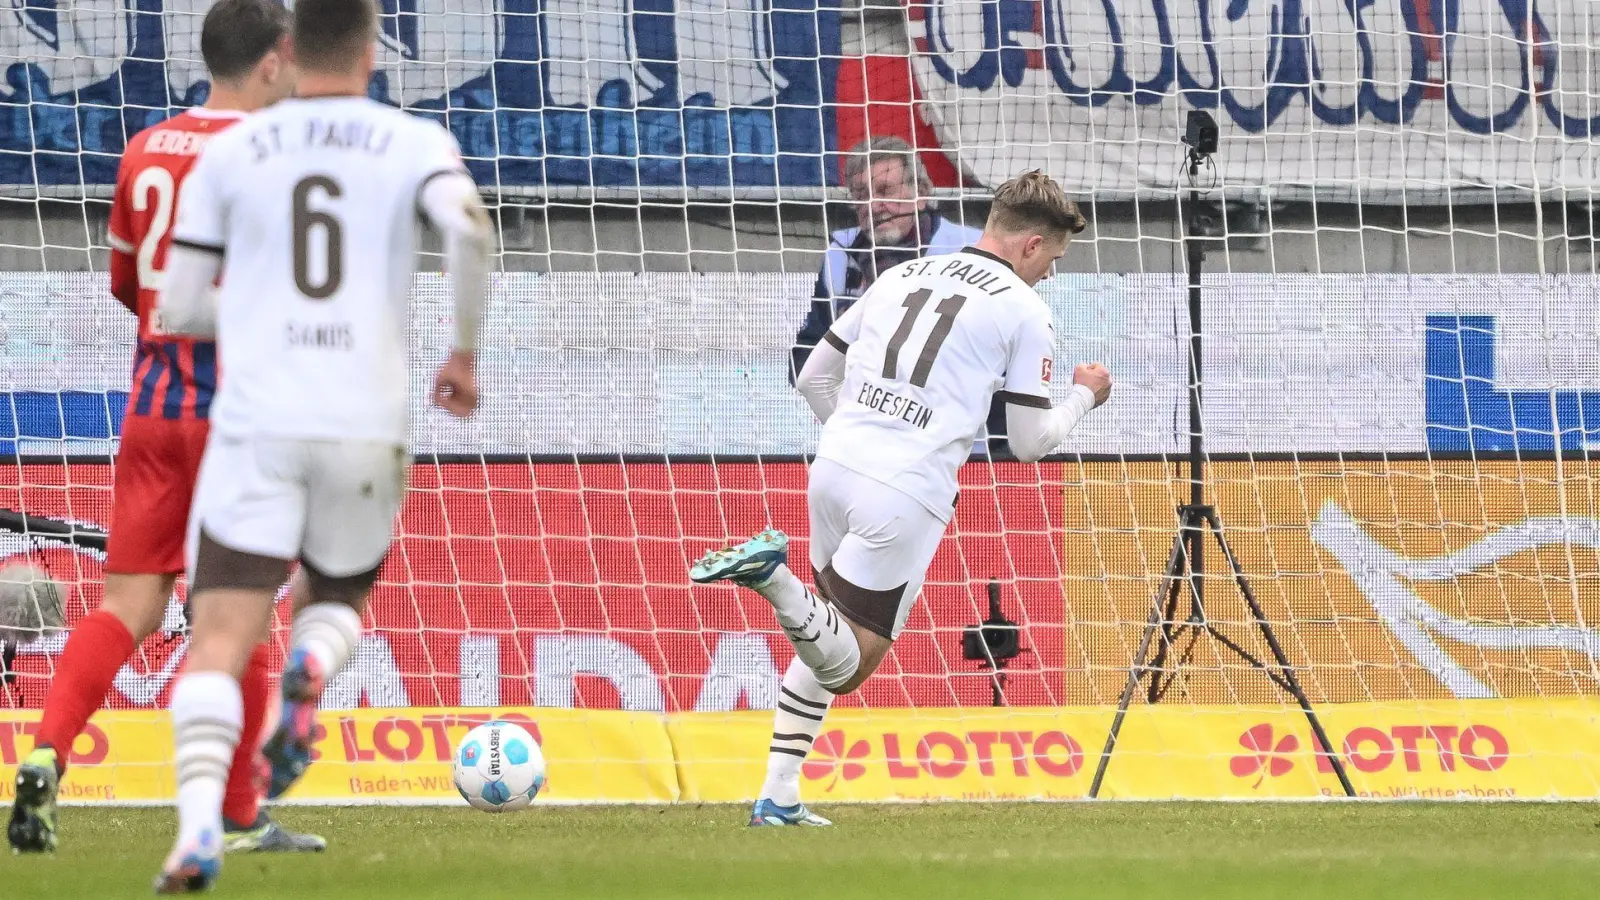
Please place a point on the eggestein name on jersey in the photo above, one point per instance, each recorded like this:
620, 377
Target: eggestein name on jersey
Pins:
895, 405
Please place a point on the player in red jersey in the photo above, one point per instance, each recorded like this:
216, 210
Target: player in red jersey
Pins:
163, 436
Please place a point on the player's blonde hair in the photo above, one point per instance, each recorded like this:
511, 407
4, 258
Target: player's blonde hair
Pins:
1033, 202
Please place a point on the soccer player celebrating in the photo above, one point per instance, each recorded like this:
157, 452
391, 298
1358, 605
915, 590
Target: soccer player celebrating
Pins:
163, 435
902, 383
309, 211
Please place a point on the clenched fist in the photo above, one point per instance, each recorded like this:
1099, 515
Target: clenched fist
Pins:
455, 388
1096, 378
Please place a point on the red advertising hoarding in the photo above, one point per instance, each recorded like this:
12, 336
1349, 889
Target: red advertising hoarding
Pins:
565, 585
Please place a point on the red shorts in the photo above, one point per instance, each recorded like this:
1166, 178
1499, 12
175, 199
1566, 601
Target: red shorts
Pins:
154, 483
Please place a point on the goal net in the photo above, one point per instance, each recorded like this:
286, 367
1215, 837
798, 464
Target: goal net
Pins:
1400, 391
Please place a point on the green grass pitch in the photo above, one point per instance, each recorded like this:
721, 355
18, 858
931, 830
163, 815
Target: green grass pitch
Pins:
1149, 851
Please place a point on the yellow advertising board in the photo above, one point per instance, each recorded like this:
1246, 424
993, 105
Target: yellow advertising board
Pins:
1466, 749
1484, 749
1452, 749
1386, 580
380, 755
930, 754
121, 757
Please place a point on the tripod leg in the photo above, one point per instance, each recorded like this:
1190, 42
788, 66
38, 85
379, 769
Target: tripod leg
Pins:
1163, 601
1194, 531
1179, 571
1279, 656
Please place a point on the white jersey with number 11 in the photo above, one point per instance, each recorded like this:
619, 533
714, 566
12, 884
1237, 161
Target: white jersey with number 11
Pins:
926, 350
313, 203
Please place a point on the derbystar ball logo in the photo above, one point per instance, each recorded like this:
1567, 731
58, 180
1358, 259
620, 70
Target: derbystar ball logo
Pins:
1370, 749
829, 756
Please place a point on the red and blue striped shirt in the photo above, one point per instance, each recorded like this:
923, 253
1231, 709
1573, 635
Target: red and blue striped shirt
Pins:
173, 377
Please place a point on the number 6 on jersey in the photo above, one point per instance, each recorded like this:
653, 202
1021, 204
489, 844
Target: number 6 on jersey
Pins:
323, 227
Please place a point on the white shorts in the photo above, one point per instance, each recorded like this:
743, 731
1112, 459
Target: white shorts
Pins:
329, 504
871, 546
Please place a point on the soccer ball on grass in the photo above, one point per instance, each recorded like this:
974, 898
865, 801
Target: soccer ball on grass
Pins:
499, 767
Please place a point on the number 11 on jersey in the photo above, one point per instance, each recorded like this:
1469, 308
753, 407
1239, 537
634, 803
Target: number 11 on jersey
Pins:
947, 309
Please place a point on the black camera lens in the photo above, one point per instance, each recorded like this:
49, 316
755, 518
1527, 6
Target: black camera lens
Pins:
1200, 132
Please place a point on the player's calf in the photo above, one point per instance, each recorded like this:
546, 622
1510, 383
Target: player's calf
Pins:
872, 648
231, 606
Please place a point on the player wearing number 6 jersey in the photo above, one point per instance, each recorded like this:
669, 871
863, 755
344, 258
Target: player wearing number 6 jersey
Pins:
310, 212
903, 383
163, 434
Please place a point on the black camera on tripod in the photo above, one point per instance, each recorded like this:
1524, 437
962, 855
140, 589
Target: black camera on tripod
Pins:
993, 643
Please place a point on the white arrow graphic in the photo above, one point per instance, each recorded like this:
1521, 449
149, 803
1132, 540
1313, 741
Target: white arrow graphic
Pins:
1381, 574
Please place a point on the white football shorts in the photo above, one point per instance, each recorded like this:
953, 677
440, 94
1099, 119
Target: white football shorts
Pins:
330, 504
871, 546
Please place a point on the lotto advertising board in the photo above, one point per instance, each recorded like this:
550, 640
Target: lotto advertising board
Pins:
1475, 749
1437, 750
376, 755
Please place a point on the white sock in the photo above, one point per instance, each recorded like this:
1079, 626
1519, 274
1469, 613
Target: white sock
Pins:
207, 713
802, 704
329, 632
819, 634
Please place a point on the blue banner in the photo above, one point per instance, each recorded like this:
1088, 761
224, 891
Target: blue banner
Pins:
652, 93
1468, 411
